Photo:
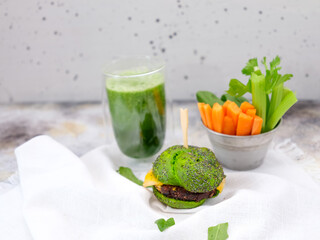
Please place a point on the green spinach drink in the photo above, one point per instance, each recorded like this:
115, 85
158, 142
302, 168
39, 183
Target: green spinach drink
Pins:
138, 112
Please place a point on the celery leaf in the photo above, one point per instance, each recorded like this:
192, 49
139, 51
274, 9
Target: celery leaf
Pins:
249, 68
274, 63
237, 88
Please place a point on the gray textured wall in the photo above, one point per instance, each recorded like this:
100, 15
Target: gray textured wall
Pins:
54, 50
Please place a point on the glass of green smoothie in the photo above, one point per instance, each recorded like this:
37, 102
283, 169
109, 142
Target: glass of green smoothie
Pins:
135, 96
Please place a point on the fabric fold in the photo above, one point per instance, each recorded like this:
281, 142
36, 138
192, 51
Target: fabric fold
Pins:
67, 197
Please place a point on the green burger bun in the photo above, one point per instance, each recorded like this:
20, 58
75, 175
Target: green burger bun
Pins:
193, 171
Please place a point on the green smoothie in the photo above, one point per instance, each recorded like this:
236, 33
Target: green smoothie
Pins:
138, 112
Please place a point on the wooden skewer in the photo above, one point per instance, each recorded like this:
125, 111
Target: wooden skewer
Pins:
184, 125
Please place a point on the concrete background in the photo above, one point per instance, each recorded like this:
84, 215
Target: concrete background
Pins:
55, 50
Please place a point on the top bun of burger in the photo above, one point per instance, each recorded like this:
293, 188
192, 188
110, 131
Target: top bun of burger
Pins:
185, 177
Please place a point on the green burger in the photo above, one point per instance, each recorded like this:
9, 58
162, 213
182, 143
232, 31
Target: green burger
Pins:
185, 177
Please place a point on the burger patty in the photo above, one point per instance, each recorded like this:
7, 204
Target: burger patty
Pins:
182, 194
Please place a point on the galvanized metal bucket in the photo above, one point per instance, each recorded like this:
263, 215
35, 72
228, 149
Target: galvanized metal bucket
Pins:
241, 152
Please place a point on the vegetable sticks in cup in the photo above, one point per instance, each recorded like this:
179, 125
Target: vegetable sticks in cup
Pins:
231, 119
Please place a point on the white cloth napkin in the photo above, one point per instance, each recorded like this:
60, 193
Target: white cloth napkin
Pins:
62, 197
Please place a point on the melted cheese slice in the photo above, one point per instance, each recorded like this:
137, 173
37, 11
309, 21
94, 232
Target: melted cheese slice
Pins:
221, 186
151, 180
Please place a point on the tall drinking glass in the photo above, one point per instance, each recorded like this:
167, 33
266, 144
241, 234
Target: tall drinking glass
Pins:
137, 104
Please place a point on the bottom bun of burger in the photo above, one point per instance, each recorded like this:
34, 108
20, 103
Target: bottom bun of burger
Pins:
176, 203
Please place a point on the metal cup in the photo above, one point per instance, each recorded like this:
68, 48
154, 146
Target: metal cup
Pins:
241, 152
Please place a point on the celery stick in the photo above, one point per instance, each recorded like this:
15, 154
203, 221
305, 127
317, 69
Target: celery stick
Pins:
283, 107
259, 99
276, 98
257, 70
267, 105
285, 92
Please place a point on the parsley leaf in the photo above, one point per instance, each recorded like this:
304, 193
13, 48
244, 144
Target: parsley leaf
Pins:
218, 232
127, 173
163, 224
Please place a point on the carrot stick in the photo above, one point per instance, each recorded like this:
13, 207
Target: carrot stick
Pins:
257, 125
228, 126
217, 117
202, 113
245, 106
244, 124
225, 105
233, 111
208, 113
251, 112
